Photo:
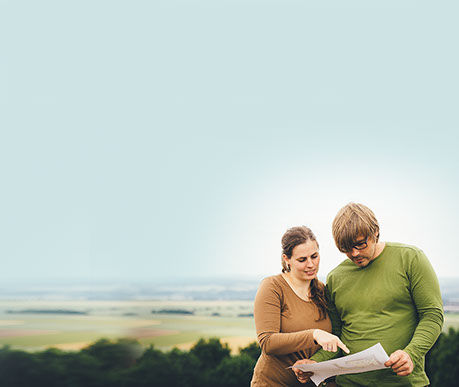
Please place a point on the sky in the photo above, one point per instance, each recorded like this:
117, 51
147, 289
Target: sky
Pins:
164, 140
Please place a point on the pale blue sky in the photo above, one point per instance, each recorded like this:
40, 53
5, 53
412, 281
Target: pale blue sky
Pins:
157, 139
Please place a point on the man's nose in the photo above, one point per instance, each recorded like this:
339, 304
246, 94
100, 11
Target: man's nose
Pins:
355, 252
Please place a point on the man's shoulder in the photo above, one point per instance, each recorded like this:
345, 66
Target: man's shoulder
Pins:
398, 245
344, 266
402, 248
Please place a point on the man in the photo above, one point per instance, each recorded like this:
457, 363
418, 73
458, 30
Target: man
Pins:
386, 292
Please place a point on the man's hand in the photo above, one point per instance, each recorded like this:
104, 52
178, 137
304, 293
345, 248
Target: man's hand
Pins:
303, 377
400, 362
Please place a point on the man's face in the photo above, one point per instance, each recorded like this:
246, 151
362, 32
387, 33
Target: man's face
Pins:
364, 250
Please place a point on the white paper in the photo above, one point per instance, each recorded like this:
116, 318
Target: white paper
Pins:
370, 359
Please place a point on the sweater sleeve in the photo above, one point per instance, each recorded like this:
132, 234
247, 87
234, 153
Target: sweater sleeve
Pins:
321, 354
267, 314
425, 291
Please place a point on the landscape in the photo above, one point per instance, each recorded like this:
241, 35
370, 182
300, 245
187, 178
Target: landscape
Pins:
164, 315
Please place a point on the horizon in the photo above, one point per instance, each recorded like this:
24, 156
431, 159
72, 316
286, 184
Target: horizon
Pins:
216, 289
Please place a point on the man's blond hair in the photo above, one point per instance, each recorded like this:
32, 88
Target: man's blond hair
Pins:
354, 221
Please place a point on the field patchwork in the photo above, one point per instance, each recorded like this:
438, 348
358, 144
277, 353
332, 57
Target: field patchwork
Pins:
72, 325
38, 325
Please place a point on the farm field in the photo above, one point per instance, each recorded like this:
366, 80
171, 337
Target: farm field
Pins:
72, 325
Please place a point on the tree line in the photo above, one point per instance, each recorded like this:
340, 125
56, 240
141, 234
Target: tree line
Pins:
209, 363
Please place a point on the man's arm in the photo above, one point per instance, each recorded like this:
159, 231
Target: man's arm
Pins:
425, 291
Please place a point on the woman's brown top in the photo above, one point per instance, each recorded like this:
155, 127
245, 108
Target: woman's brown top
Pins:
284, 324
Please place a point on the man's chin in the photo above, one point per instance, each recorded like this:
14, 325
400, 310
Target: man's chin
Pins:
361, 262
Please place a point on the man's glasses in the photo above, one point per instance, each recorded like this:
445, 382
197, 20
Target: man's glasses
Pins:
360, 245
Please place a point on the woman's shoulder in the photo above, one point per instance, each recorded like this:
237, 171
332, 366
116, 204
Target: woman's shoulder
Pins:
274, 279
273, 282
272, 286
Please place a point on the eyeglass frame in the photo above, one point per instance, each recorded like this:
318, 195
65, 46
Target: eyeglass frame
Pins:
363, 245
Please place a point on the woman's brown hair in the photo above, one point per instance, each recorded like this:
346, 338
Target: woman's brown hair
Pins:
296, 236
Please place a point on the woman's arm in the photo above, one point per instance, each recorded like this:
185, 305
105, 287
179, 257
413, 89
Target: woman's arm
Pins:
267, 313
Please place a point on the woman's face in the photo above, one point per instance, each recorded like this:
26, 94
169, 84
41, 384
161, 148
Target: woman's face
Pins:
304, 262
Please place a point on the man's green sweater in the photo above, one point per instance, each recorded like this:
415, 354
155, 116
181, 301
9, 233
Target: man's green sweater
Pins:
394, 300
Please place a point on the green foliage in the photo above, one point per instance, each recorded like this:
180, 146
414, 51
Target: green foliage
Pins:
111, 355
18, 368
156, 368
235, 371
442, 361
210, 352
253, 350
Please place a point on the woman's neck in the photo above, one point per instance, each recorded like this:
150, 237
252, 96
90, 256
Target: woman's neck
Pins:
300, 287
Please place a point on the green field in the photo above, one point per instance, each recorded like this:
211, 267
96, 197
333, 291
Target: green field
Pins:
227, 320
134, 319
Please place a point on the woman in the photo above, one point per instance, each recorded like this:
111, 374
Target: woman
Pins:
291, 313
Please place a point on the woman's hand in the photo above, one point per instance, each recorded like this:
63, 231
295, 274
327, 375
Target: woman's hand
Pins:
303, 377
328, 341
